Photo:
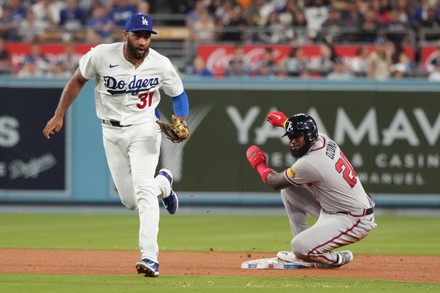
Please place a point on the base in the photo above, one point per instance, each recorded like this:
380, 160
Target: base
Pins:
273, 263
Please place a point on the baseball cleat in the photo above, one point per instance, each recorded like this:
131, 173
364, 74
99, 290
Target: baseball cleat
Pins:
171, 202
147, 267
344, 257
289, 257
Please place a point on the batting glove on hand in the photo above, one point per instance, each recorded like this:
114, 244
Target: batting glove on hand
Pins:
257, 159
277, 119
255, 156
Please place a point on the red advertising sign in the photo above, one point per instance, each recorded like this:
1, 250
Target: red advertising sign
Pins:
217, 57
428, 53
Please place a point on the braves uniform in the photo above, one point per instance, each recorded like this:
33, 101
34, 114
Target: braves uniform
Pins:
325, 185
126, 99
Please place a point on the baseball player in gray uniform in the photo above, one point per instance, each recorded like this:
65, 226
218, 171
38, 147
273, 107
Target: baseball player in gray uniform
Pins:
128, 76
322, 183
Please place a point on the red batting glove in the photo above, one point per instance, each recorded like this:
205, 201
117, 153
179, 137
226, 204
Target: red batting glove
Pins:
255, 156
277, 119
257, 159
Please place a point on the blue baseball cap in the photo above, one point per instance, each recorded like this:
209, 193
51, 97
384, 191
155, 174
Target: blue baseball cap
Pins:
30, 60
139, 22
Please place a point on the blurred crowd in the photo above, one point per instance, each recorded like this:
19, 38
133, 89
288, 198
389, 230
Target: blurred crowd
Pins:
305, 21
388, 25
381, 61
92, 21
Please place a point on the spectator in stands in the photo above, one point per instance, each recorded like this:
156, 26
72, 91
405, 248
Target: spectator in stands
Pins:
401, 60
254, 16
48, 12
268, 65
72, 16
120, 11
194, 14
430, 24
266, 69
420, 13
369, 27
397, 29
267, 61
5, 59
30, 68
360, 63
287, 14
17, 8
316, 13
41, 60
339, 71
352, 18
69, 58
237, 68
59, 70
88, 5
230, 20
264, 10
435, 74
295, 63
8, 24
398, 71
332, 27
203, 29
272, 32
199, 68
403, 9
99, 26
324, 64
31, 28
300, 30
143, 6
381, 10
237, 65
380, 60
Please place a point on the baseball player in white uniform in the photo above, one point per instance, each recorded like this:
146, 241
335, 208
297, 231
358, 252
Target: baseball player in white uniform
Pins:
128, 77
321, 183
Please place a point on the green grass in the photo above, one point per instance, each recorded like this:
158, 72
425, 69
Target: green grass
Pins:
394, 235
118, 283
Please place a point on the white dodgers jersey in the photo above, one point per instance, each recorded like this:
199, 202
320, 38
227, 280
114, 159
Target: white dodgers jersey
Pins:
330, 176
125, 93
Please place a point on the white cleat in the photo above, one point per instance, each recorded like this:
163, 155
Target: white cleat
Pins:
289, 257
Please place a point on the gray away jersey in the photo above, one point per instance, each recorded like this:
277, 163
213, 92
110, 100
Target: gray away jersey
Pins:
330, 176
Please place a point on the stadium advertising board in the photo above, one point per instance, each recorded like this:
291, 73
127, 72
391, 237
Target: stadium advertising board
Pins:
28, 161
218, 56
391, 138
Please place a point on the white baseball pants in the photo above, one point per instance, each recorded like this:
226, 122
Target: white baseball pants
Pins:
132, 154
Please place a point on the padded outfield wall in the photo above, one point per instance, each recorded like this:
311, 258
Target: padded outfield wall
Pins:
389, 130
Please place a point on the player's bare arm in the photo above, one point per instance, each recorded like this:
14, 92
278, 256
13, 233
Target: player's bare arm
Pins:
277, 181
69, 94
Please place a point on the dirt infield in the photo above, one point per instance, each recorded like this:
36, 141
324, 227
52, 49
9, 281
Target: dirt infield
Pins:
383, 267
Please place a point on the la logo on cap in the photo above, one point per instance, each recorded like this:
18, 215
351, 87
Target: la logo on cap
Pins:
144, 21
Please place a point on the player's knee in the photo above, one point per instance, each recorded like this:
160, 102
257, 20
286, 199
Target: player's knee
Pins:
129, 204
299, 249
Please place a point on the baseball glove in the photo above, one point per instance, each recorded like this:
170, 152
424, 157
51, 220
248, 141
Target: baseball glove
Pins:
177, 131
